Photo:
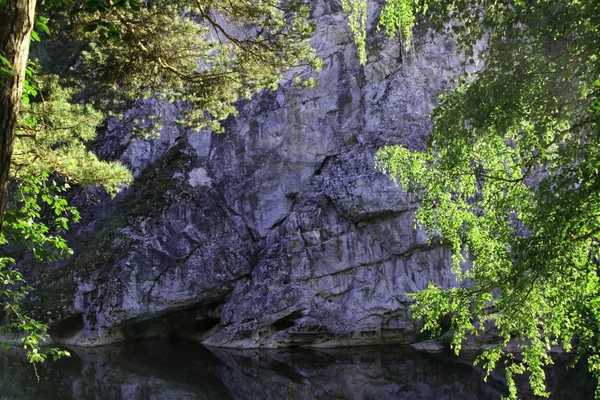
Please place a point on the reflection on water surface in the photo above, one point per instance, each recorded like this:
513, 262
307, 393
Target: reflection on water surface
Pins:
173, 370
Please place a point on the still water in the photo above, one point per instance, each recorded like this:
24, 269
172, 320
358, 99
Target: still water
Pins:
174, 370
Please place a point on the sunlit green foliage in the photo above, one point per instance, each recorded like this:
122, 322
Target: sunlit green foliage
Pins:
52, 137
357, 20
50, 154
510, 181
205, 54
397, 17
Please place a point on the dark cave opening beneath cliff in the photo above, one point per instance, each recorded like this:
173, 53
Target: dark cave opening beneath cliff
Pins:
67, 328
190, 321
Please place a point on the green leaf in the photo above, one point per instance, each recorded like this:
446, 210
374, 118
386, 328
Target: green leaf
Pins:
90, 27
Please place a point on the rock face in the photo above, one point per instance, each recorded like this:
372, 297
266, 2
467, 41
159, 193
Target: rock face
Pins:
279, 232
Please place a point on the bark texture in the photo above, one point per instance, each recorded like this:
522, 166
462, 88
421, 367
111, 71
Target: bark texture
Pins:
16, 24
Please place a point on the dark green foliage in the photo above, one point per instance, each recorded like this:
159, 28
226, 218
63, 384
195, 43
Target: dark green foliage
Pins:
12, 293
205, 54
159, 190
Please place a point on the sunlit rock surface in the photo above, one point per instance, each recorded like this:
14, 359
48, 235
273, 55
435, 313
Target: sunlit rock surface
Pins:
279, 232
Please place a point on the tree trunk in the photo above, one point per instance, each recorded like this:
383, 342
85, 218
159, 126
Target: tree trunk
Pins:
16, 24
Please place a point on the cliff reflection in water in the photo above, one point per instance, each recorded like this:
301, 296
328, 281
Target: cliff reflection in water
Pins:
168, 370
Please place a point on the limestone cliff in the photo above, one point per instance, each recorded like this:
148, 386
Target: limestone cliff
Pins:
278, 232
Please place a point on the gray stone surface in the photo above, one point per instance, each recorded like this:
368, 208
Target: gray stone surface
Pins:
280, 231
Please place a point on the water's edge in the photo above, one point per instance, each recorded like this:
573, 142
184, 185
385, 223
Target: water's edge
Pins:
181, 369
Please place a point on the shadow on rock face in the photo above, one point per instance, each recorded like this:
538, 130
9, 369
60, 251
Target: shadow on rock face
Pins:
162, 369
